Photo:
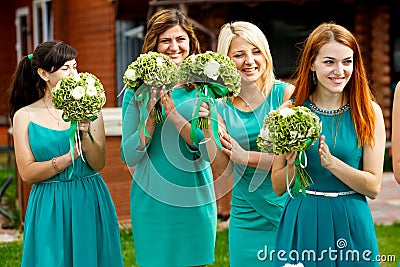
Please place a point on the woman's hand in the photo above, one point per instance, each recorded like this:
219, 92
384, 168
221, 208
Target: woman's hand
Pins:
152, 102
324, 153
286, 104
84, 128
204, 111
232, 149
290, 157
167, 101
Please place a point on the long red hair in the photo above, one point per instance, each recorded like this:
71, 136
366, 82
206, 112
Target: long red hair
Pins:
357, 89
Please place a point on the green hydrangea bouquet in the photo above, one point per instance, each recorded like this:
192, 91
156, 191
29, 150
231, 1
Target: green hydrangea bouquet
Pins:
291, 129
150, 70
216, 77
80, 97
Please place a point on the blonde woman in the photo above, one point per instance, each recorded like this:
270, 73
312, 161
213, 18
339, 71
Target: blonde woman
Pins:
255, 208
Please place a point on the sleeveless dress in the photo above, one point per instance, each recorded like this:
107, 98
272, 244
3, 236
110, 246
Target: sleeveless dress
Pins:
329, 231
173, 208
255, 208
68, 221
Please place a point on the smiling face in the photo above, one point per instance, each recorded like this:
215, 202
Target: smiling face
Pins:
174, 43
249, 59
333, 67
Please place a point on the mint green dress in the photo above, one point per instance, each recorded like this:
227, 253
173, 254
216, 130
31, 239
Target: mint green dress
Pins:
68, 221
173, 208
255, 208
329, 231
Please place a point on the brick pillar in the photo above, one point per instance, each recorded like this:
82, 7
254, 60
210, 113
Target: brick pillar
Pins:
380, 61
372, 28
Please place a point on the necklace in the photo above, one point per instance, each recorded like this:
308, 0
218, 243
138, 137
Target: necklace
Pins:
335, 115
48, 110
249, 103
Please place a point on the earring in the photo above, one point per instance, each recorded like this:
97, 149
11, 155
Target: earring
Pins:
314, 78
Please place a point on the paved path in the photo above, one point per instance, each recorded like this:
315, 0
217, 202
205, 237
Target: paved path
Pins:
386, 207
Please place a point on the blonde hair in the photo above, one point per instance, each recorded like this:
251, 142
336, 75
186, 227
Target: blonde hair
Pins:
252, 34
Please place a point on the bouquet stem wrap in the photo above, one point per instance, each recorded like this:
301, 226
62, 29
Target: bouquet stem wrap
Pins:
303, 179
207, 93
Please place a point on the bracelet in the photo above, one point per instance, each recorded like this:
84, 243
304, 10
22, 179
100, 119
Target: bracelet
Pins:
53, 162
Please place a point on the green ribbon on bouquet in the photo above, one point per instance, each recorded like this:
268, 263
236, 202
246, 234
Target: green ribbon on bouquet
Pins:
303, 179
207, 92
143, 96
71, 137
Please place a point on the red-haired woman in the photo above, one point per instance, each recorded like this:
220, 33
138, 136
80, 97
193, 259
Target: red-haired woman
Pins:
332, 225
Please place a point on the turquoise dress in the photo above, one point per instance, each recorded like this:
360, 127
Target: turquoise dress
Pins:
255, 208
173, 208
68, 221
337, 231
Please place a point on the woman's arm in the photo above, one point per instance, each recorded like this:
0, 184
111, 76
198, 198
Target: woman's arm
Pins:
134, 142
94, 142
283, 164
180, 123
396, 133
368, 180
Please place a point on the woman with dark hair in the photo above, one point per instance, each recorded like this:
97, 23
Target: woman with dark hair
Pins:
332, 224
173, 209
70, 218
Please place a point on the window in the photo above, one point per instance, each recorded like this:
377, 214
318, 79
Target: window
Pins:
42, 21
129, 41
23, 30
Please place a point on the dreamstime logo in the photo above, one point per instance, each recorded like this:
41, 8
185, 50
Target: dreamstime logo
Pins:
340, 253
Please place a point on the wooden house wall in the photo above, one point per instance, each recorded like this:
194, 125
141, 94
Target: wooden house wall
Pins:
89, 26
7, 49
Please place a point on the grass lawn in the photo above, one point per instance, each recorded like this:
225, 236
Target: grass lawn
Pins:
388, 239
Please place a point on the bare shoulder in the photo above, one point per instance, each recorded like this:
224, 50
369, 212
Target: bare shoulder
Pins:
288, 92
24, 114
377, 108
21, 113
397, 92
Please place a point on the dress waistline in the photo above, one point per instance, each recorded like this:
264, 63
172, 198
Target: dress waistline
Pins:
65, 181
329, 194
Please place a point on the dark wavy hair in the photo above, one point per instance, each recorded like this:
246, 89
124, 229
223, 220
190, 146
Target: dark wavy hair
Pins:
161, 21
26, 85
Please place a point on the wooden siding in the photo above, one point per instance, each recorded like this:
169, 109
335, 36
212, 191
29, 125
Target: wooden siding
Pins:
8, 60
89, 26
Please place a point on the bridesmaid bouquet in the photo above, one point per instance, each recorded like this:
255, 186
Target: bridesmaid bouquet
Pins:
150, 70
291, 129
215, 75
80, 97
